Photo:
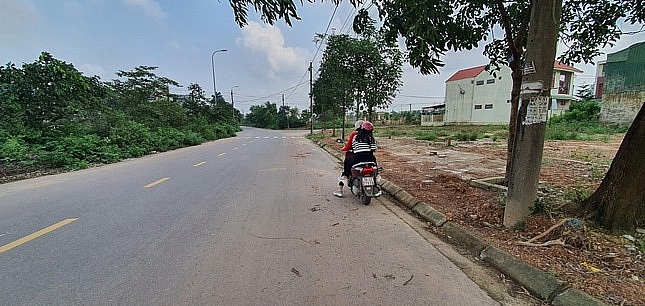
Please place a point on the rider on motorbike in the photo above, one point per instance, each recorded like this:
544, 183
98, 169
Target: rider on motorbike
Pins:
363, 148
348, 153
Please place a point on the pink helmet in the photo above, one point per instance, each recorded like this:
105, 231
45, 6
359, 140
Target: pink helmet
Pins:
367, 126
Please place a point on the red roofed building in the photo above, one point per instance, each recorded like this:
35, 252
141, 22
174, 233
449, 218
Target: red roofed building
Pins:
475, 96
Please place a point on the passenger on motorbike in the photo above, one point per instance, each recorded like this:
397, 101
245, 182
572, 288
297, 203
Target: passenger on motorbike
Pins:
363, 148
348, 152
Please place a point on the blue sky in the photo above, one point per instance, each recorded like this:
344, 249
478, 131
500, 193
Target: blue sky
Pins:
101, 37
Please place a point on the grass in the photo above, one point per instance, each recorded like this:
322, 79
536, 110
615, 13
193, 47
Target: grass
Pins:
432, 133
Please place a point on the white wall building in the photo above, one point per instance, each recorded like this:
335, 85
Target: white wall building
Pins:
474, 96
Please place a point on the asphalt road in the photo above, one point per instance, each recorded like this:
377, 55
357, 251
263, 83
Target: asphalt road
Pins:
249, 220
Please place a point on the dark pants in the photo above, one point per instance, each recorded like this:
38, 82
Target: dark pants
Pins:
355, 159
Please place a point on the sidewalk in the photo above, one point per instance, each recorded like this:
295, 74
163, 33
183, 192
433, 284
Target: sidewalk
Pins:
541, 284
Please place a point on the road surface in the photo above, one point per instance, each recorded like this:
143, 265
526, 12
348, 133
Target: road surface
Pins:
249, 220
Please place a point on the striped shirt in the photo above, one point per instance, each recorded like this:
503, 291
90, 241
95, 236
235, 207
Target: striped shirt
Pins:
359, 147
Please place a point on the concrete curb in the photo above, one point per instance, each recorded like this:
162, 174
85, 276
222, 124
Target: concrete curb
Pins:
538, 282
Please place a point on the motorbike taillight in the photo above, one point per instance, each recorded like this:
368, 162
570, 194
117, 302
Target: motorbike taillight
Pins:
367, 171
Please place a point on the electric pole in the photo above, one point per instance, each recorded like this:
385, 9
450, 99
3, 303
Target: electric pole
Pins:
286, 115
535, 102
311, 99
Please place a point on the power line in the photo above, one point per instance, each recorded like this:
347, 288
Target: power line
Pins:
317, 50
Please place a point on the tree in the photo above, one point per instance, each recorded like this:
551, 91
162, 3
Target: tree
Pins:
263, 116
358, 73
48, 94
383, 77
619, 202
196, 104
140, 86
334, 91
586, 92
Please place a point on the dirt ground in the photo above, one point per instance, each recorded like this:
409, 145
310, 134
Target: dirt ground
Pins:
585, 257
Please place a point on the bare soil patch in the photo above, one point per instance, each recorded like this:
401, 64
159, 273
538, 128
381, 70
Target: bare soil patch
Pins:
586, 258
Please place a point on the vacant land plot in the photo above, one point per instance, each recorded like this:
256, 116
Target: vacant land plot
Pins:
602, 265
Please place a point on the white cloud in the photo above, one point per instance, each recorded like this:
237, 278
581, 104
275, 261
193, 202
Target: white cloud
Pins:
268, 40
92, 70
150, 7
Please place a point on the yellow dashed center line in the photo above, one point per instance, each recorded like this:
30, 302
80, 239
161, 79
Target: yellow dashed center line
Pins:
156, 182
35, 235
199, 164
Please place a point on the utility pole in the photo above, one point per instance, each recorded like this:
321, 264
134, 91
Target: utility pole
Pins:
286, 115
311, 99
535, 101
232, 103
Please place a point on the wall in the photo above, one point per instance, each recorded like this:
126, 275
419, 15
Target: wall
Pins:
486, 103
624, 87
491, 103
622, 107
459, 98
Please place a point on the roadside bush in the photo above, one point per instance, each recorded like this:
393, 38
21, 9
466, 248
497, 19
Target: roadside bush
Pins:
224, 130
78, 152
167, 138
585, 111
192, 138
133, 139
13, 151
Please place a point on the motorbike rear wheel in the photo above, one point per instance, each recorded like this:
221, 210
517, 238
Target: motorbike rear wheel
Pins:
365, 199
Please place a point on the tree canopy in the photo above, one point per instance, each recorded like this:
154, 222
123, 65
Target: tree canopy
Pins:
360, 74
52, 116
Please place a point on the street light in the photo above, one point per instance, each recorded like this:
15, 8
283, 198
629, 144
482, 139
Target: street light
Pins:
213, 68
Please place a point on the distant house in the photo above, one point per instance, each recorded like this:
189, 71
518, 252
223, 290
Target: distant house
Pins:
623, 93
433, 115
474, 96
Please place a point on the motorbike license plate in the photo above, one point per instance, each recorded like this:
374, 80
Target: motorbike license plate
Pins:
368, 181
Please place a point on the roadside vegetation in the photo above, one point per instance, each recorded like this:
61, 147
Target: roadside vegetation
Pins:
53, 118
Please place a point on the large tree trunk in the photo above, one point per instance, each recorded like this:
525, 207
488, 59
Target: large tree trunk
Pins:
619, 202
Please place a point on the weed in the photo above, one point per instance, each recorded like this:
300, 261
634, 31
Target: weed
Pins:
429, 137
541, 205
466, 136
576, 194
316, 136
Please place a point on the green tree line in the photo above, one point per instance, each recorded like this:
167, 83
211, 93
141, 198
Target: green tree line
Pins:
269, 116
52, 116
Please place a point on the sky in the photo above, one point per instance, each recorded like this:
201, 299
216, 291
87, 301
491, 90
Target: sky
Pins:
262, 62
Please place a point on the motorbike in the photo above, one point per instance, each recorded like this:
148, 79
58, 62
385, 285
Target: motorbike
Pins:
362, 183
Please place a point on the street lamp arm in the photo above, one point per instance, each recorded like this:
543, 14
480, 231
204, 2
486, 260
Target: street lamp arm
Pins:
213, 68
